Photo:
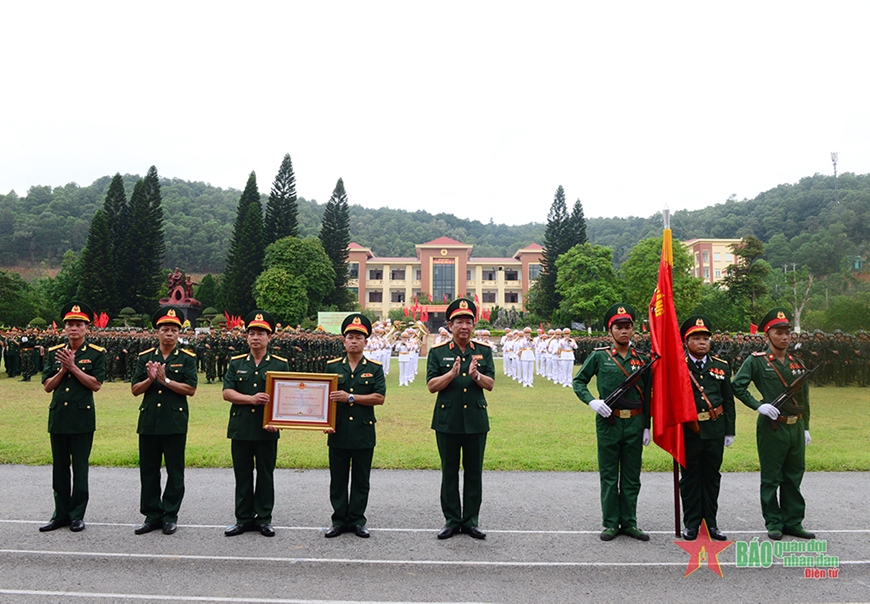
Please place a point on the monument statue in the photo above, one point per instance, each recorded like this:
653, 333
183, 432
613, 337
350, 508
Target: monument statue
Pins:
181, 295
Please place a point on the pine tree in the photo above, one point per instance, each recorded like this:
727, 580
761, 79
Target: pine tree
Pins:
96, 285
153, 270
282, 210
575, 233
544, 299
117, 213
245, 257
335, 237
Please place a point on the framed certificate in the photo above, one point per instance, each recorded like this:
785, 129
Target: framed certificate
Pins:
300, 401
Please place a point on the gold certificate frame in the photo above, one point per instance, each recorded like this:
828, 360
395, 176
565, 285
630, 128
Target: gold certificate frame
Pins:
300, 401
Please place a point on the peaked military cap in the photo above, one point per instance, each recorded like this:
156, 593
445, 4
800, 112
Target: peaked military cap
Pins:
775, 317
260, 319
168, 315
356, 322
76, 311
695, 324
619, 312
461, 307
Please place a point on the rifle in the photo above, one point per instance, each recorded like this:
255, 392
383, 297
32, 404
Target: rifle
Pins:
783, 401
629, 382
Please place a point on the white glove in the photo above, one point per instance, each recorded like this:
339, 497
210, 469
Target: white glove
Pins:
646, 438
808, 437
769, 410
729, 440
600, 407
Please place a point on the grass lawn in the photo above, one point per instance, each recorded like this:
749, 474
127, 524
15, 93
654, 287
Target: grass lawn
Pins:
541, 429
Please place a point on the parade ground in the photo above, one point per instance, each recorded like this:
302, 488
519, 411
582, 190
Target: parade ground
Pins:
542, 544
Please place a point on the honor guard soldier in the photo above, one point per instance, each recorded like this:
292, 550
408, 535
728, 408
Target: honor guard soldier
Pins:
781, 439
460, 371
622, 432
253, 446
707, 438
361, 386
166, 375
72, 373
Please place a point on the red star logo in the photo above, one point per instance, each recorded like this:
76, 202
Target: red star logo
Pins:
703, 548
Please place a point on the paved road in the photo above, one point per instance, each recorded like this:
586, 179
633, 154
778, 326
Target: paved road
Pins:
542, 544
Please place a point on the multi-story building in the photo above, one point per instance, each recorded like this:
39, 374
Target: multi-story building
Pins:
442, 270
711, 257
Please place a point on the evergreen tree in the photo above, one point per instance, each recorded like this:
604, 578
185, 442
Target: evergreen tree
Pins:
153, 272
282, 210
745, 278
117, 213
207, 291
96, 285
245, 257
335, 237
543, 297
575, 233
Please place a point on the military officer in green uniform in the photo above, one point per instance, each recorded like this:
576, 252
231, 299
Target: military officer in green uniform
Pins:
252, 445
72, 373
166, 376
781, 439
622, 432
706, 439
361, 386
460, 370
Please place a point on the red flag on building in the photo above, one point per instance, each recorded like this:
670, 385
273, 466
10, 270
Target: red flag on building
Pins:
672, 401
407, 312
424, 316
753, 328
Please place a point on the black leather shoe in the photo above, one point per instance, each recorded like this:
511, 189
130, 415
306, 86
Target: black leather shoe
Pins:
53, 525
774, 534
266, 530
690, 534
77, 525
717, 534
798, 532
447, 532
238, 529
334, 531
473, 531
169, 528
360, 531
145, 527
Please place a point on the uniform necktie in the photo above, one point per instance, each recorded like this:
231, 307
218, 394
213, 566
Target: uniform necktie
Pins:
699, 365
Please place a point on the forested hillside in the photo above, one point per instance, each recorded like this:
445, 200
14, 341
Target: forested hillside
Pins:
198, 218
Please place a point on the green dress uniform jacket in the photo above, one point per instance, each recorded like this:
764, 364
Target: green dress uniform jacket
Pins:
461, 422
162, 429
620, 440
252, 446
781, 444
700, 480
71, 423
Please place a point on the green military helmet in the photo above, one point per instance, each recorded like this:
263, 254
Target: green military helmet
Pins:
356, 322
619, 313
76, 311
695, 324
260, 319
168, 315
776, 317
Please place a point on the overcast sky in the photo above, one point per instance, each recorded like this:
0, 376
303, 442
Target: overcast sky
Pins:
479, 109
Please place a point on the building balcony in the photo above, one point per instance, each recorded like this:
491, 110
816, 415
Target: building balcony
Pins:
488, 282
353, 282
375, 283
513, 283
397, 282
471, 283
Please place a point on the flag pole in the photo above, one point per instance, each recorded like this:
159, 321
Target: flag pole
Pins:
666, 219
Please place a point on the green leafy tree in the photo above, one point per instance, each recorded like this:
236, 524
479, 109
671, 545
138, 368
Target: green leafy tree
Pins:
586, 283
282, 208
16, 300
640, 273
335, 237
292, 262
544, 297
51, 293
745, 279
245, 257
207, 291
97, 284
716, 304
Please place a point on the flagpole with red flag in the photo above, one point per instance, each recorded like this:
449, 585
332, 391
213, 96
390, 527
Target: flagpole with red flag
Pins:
673, 402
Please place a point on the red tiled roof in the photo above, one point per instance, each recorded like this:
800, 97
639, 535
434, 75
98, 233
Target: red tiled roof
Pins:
443, 241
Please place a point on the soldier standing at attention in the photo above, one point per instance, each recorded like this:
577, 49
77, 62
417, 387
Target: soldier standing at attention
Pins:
361, 386
459, 371
705, 440
253, 446
72, 373
623, 432
781, 439
166, 375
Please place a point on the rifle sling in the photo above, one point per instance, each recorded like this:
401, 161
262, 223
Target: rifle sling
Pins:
713, 414
621, 368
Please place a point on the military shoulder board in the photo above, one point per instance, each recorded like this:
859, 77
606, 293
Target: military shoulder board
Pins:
238, 356
188, 353
146, 351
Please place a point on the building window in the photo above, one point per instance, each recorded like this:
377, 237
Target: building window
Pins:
706, 256
353, 270
511, 275
489, 274
717, 256
468, 275
376, 273
443, 279
706, 272
729, 257
489, 297
397, 274
717, 273
418, 274
534, 271
697, 258
376, 296
511, 297
397, 296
